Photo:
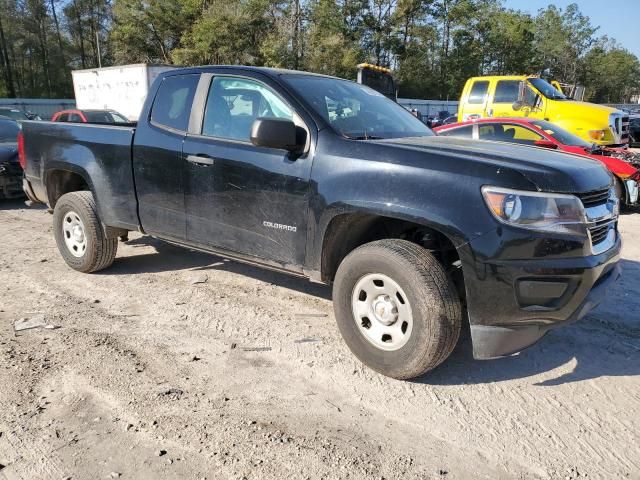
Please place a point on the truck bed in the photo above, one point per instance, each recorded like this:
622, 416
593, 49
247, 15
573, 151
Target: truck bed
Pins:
99, 153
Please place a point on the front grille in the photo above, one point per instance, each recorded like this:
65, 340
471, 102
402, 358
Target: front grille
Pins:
594, 198
600, 230
625, 130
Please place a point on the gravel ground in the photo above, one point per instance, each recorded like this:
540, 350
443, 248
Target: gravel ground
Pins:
174, 364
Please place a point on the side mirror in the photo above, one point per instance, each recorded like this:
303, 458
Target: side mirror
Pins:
277, 133
545, 144
517, 105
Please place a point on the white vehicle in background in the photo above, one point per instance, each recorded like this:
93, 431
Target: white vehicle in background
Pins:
121, 88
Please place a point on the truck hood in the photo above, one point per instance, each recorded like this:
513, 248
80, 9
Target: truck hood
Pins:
590, 110
548, 170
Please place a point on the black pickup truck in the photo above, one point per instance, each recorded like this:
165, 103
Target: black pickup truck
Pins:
327, 179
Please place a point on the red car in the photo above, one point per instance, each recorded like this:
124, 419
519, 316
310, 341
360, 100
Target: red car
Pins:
624, 164
89, 116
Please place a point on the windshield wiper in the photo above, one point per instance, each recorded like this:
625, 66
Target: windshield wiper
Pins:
363, 137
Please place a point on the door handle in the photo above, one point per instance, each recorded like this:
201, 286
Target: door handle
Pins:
200, 160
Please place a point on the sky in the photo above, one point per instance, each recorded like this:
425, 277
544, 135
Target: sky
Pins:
616, 18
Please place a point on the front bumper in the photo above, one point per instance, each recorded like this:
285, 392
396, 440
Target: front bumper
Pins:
10, 181
512, 303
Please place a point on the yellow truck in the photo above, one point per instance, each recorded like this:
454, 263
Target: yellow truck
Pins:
531, 96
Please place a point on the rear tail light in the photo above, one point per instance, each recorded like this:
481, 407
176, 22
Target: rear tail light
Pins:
22, 158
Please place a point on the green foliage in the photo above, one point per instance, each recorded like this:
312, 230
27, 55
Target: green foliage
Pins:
432, 45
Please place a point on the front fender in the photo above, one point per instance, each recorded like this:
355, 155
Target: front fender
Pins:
581, 128
425, 189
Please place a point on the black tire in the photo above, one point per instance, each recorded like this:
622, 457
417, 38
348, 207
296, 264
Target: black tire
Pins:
100, 250
435, 306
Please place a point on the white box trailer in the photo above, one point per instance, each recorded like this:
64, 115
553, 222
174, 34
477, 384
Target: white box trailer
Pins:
121, 88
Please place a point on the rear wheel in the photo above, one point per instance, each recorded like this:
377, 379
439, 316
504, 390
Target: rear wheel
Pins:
396, 308
79, 234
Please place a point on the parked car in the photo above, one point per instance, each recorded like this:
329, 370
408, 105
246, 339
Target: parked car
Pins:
634, 131
450, 120
10, 171
89, 116
534, 97
623, 164
327, 179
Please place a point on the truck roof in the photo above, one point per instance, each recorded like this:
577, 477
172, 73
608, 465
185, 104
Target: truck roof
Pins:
129, 65
272, 72
502, 77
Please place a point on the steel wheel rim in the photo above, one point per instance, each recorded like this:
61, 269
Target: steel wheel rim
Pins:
74, 234
382, 311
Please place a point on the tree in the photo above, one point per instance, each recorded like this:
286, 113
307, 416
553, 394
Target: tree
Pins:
611, 73
331, 46
434, 46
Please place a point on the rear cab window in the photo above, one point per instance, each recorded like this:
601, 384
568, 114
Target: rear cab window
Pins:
478, 92
172, 104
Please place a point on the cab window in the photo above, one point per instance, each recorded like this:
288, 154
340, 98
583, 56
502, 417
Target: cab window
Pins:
234, 103
172, 104
466, 132
507, 91
478, 92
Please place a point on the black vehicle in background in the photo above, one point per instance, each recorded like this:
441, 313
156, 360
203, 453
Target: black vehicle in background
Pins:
326, 179
634, 131
10, 170
15, 114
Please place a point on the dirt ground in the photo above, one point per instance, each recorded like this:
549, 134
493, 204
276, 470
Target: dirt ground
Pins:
151, 375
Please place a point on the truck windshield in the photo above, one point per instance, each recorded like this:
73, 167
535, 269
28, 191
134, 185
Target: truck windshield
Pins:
561, 135
355, 111
546, 89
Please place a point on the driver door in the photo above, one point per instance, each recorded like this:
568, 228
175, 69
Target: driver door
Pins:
239, 197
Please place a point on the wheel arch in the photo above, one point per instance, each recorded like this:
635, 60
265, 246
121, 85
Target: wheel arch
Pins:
60, 180
349, 229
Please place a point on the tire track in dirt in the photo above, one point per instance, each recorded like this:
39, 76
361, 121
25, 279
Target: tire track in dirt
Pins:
505, 416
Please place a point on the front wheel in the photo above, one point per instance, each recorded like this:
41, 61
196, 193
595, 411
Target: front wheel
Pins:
396, 308
79, 234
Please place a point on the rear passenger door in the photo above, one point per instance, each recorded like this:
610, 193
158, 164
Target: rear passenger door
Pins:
239, 197
157, 158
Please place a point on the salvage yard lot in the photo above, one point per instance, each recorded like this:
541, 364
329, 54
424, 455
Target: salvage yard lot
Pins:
178, 364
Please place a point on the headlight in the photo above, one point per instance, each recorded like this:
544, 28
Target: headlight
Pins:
597, 134
550, 212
